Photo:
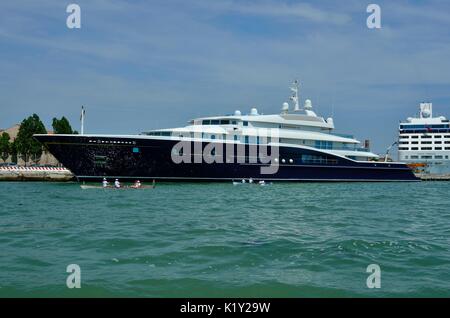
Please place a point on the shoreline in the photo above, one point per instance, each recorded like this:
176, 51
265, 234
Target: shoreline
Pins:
16, 173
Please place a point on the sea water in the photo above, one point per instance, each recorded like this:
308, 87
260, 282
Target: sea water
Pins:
225, 240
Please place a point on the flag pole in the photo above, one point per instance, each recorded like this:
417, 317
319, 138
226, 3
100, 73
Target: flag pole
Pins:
82, 120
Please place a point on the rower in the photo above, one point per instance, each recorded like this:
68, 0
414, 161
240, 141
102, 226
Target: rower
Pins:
137, 184
117, 183
105, 183
250, 180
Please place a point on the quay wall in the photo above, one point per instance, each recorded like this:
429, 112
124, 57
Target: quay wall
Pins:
433, 177
35, 174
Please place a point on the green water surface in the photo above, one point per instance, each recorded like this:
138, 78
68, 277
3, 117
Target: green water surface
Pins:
220, 240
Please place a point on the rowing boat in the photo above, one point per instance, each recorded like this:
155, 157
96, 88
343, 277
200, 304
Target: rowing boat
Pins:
142, 187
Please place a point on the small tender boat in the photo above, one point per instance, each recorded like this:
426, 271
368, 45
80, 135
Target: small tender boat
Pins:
142, 187
260, 183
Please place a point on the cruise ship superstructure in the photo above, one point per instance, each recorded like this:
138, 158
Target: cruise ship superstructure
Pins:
426, 140
301, 145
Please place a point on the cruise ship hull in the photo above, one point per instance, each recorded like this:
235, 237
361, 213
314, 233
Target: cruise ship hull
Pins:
92, 158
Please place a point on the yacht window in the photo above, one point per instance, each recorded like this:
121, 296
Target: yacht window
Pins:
426, 148
414, 142
225, 122
437, 157
215, 122
414, 157
415, 137
320, 144
437, 148
246, 139
317, 159
206, 122
245, 123
414, 148
213, 136
438, 142
437, 136
234, 122
427, 157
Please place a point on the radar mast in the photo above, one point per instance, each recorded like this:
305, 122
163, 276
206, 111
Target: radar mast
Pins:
294, 98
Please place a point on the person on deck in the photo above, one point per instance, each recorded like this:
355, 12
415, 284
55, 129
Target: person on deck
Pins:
105, 183
137, 184
117, 183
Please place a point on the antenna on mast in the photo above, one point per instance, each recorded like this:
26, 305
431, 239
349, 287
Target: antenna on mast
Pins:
294, 98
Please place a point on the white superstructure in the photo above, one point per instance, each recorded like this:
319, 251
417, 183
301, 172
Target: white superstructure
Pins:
300, 128
426, 139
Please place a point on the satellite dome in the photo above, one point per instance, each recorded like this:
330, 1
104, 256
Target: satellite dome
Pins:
285, 107
308, 104
253, 112
426, 113
237, 113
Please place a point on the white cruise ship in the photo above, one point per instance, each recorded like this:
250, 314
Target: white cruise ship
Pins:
424, 141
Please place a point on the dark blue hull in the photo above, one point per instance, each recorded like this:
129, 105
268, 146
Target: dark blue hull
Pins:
131, 158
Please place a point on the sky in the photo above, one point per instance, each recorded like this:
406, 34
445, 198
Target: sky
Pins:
141, 65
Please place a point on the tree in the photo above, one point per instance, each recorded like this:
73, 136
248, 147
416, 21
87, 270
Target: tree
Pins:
62, 126
5, 146
13, 149
26, 145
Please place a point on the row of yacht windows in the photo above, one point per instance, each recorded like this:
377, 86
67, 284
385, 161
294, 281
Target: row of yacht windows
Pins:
424, 148
436, 142
245, 123
424, 126
221, 122
425, 137
427, 157
117, 142
320, 144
